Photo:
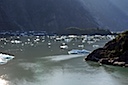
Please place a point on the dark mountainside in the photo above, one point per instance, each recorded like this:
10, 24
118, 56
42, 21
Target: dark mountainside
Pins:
57, 15
114, 52
46, 15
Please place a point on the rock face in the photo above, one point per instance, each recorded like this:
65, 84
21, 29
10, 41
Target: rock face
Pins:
114, 52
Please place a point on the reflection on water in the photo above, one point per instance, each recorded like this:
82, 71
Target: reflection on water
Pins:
39, 60
64, 57
3, 82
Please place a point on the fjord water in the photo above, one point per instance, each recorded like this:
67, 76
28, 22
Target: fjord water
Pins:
40, 61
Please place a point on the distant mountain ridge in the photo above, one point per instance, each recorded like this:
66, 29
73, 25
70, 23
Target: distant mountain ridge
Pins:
57, 15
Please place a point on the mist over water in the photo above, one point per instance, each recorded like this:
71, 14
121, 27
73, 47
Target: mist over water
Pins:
39, 60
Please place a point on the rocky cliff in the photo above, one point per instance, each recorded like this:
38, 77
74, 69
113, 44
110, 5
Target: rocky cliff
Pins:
114, 52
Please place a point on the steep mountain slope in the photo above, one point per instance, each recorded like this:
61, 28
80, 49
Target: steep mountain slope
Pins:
47, 15
57, 15
110, 14
122, 5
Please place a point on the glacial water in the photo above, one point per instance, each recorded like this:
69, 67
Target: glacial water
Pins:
40, 61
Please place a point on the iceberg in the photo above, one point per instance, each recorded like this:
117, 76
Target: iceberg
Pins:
76, 51
4, 58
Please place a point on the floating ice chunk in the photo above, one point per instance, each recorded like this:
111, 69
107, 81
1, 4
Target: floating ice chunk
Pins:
80, 46
29, 40
49, 44
15, 41
4, 58
3, 61
64, 47
111, 37
36, 40
75, 51
67, 40
58, 39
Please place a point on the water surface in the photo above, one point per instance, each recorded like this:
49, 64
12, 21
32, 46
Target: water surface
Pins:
40, 63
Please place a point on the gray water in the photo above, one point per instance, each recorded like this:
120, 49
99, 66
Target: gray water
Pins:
37, 63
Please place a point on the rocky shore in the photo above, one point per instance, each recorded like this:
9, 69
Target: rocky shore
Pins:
115, 52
